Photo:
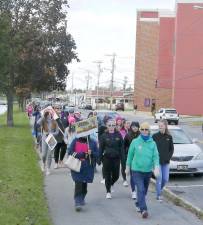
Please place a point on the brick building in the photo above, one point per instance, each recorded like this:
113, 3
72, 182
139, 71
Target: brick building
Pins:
169, 65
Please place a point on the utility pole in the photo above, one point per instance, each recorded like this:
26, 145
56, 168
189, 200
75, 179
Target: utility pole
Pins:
124, 87
112, 77
98, 77
72, 84
88, 78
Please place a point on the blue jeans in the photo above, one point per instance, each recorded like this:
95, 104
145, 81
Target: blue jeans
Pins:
132, 183
162, 179
141, 180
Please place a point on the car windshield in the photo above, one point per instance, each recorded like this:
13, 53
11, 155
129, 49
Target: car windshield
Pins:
171, 111
179, 136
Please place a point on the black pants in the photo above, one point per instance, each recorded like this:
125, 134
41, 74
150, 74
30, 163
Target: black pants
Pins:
111, 168
123, 167
60, 146
80, 192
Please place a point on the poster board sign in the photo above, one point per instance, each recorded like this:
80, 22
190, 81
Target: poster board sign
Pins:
52, 112
86, 127
51, 141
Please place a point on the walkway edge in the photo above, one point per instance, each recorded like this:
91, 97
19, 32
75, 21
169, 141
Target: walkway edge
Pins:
180, 201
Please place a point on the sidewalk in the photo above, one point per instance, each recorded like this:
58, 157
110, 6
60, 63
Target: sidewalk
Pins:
119, 210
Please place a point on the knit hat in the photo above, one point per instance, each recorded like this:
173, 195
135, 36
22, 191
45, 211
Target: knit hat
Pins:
119, 118
135, 124
145, 125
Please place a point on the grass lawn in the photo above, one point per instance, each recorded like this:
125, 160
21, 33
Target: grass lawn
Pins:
22, 200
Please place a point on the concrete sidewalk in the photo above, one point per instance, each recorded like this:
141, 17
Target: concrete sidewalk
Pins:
119, 210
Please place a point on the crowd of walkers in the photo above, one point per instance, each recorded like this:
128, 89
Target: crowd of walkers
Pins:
118, 145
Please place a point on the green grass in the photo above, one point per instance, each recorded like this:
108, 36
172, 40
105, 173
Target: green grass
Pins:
22, 200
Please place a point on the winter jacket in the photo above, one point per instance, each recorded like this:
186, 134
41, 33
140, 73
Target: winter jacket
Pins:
86, 173
129, 138
165, 146
143, 155
111, 145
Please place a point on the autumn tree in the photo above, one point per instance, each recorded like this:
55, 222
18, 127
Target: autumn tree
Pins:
36, 46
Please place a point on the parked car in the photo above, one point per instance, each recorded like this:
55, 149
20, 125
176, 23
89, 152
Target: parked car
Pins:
169, 114
88, 107
188, 156
119, 106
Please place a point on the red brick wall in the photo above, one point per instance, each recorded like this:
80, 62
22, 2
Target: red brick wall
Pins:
152, 56
189, 60
146, 62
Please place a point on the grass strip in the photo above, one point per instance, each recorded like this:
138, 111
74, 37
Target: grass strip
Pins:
22, 199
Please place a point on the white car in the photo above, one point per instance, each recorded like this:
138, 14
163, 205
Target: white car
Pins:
169, 114
188, 156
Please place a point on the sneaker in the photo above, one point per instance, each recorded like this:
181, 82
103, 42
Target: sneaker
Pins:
48, 172
125, 183
137, 209
78, 208
108, 195
43, 168
102, 181
55, 165
134, 195
144, 214
159, 198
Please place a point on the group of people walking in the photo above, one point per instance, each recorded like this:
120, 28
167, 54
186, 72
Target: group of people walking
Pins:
119, 145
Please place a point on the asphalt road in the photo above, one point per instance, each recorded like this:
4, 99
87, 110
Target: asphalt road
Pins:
185, 186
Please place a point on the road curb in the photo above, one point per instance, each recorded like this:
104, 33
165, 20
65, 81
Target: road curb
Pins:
180, 201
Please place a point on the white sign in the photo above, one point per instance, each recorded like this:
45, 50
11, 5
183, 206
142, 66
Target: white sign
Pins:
51, 141
51, 111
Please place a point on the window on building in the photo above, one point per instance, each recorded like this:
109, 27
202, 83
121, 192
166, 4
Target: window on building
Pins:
147, 102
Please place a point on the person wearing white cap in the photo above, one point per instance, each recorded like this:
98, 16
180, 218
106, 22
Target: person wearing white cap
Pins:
143, 158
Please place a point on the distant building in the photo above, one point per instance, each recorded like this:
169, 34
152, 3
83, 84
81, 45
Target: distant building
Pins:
102, 98
169, 52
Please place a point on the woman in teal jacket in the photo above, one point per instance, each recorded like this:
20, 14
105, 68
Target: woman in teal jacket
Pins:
143, 158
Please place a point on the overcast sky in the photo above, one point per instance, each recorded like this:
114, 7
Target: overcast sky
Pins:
101, 27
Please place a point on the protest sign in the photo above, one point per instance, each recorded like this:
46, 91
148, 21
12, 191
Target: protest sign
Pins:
51, 111
51, 141
86, 127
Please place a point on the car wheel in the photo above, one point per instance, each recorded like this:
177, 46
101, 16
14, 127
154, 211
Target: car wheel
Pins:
176, 122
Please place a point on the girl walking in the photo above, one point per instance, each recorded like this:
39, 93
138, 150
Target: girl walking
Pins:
111, 147
164, 142
49, 126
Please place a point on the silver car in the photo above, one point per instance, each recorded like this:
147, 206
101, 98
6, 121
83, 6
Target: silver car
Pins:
188, 156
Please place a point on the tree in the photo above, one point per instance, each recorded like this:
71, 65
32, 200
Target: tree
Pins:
37, 46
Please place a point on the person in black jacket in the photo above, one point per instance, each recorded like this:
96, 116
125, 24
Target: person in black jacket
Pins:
111, 147
165, 147
132, 134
